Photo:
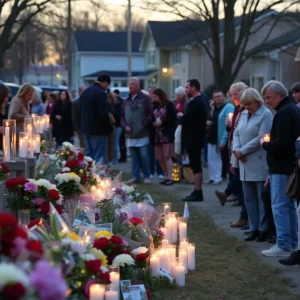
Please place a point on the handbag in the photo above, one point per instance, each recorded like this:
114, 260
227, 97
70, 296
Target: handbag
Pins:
293, 185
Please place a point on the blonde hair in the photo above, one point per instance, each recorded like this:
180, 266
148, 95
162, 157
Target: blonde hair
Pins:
250, 95
25, 89
240, 86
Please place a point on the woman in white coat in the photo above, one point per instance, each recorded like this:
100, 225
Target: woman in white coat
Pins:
255, 122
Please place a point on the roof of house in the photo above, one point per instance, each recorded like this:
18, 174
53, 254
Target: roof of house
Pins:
170, 33
103, 41
120, 74
285, 39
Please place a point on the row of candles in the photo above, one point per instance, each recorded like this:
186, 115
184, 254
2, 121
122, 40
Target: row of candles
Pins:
103, 190
36, 124
266, 137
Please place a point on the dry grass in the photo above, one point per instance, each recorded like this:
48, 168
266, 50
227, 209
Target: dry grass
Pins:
226, 269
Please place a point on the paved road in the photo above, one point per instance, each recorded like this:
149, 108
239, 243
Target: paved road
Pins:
223, 216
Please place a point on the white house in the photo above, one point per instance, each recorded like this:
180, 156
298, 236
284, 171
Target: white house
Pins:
96, 52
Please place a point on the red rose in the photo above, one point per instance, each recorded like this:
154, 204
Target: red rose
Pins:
142, 256
93, 265
71, 153
35, 246
105, 276
80, 156
8, 227
13, 183
37, 222
59, 209
136, 221
116, 240
13, 291
74, 163
53, 194
21, 233
126, 252
45, 207
4, 168
101, 243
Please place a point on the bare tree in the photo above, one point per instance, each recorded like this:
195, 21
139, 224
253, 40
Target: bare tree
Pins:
216, 18
137, 23
15, 16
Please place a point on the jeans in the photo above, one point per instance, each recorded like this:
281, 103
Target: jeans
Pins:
96, 146
153, 163
139, 157
284, 212
255, 206
118, 131
235, 187
214, 163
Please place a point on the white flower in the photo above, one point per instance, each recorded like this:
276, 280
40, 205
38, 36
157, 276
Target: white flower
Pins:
87, 257
68, 145
66, 169
103, 269
63, 163
9, 273
118, 200
140, 250
88, 159
128, 189
66, 177
123, 260
43, 182
59, 202
53, 156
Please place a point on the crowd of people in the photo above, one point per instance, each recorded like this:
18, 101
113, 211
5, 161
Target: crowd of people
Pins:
254, 139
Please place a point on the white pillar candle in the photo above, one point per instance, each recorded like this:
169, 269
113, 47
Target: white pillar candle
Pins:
173, 268
7, 141
97, 292
165, 243
111, 295
180, 275
182, 231
115, 279
154, 263
191, 257
172, 253
175, 230
184, 244
183, 259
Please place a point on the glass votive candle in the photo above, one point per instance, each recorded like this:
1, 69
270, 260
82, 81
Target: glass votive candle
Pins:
86, 234
97, 292
182, 229
28, 125
166, 208
111, 293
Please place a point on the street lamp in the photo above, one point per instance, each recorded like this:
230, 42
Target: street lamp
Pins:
165, 70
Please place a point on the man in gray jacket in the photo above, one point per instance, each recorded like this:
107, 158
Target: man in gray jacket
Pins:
136, 120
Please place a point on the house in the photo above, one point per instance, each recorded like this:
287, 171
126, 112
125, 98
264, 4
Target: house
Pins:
276, 59
95, 52
174, 53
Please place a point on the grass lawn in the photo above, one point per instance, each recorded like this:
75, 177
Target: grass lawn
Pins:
225, 268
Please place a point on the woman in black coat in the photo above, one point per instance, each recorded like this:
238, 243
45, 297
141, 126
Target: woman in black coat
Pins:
61, 119
4, 94
165, 124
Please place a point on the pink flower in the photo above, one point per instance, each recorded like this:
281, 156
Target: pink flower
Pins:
19, 246
48, 281
30, 187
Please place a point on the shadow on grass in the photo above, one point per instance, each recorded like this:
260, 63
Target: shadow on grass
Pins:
225, 268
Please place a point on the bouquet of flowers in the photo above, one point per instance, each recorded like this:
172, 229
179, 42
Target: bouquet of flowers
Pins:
46, 167
4, 172
68, 183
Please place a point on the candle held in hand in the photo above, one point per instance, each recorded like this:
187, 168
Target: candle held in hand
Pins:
230, 115
267, 138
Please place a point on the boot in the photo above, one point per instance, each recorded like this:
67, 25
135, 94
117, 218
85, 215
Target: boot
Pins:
222, 197
263, 235
196, 196
252, 236
239, 223
292, 260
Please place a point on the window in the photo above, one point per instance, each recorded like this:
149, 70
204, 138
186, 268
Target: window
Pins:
176, 57
151, 58
175, 84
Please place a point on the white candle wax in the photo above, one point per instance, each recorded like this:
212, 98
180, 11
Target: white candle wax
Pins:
29, 128
7, 141
183, 245
172, 254
175, 231
182, 231
169, 230
154, 263
115, 279
180, 275
97, 292
165, 243
22, 147
111, 295
191, 257
173, 268
183, 258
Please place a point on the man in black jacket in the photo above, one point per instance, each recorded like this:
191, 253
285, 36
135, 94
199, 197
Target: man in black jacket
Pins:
193, 123
95, 124
281, 161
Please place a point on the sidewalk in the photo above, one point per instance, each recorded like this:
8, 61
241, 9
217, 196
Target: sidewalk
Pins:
223, 217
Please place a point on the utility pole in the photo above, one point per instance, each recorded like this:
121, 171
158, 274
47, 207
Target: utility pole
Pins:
129, 40
69, 33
